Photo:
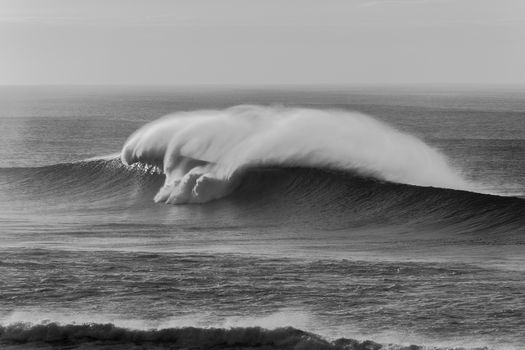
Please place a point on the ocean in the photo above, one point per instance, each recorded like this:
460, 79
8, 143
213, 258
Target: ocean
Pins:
262, 218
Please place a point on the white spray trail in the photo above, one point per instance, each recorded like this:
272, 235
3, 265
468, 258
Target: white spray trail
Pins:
201, 152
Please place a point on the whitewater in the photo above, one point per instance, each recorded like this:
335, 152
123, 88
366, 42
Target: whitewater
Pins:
202, 152
269, 219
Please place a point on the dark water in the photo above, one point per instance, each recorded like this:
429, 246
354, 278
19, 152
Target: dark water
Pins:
329, 252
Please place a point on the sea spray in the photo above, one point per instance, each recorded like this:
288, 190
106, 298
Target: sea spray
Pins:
203, 152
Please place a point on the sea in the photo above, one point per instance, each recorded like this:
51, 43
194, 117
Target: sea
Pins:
288, 217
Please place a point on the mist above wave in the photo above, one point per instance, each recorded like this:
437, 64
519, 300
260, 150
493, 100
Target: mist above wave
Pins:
203, 153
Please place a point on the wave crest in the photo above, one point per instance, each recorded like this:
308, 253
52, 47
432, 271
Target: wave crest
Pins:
203, 152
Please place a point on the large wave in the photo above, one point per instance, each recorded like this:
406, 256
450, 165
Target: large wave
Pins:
203, 153
326, 169
313, 197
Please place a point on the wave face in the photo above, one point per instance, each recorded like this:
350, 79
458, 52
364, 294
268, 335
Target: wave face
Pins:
315, 197
340, 199
203, 153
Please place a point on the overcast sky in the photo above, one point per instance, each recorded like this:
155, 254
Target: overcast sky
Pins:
262, 41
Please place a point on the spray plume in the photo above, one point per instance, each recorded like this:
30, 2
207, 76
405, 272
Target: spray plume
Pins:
203, 153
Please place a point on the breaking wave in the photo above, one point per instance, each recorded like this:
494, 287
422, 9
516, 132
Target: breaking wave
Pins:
327, 169
316, 197
109, 336
204, 153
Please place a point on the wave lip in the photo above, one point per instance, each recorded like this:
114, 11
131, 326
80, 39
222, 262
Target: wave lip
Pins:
203, 152
100, 336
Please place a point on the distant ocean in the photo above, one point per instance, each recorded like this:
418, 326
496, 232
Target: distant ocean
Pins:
271, 218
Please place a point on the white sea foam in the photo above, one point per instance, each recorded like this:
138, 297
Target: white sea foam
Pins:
201, 152
25, 327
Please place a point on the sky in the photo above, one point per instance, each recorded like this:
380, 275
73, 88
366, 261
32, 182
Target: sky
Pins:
262, 42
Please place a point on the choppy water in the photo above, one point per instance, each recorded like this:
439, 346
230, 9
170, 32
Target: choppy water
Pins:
331, 252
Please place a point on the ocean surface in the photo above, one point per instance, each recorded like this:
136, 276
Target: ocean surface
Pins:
293, 218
